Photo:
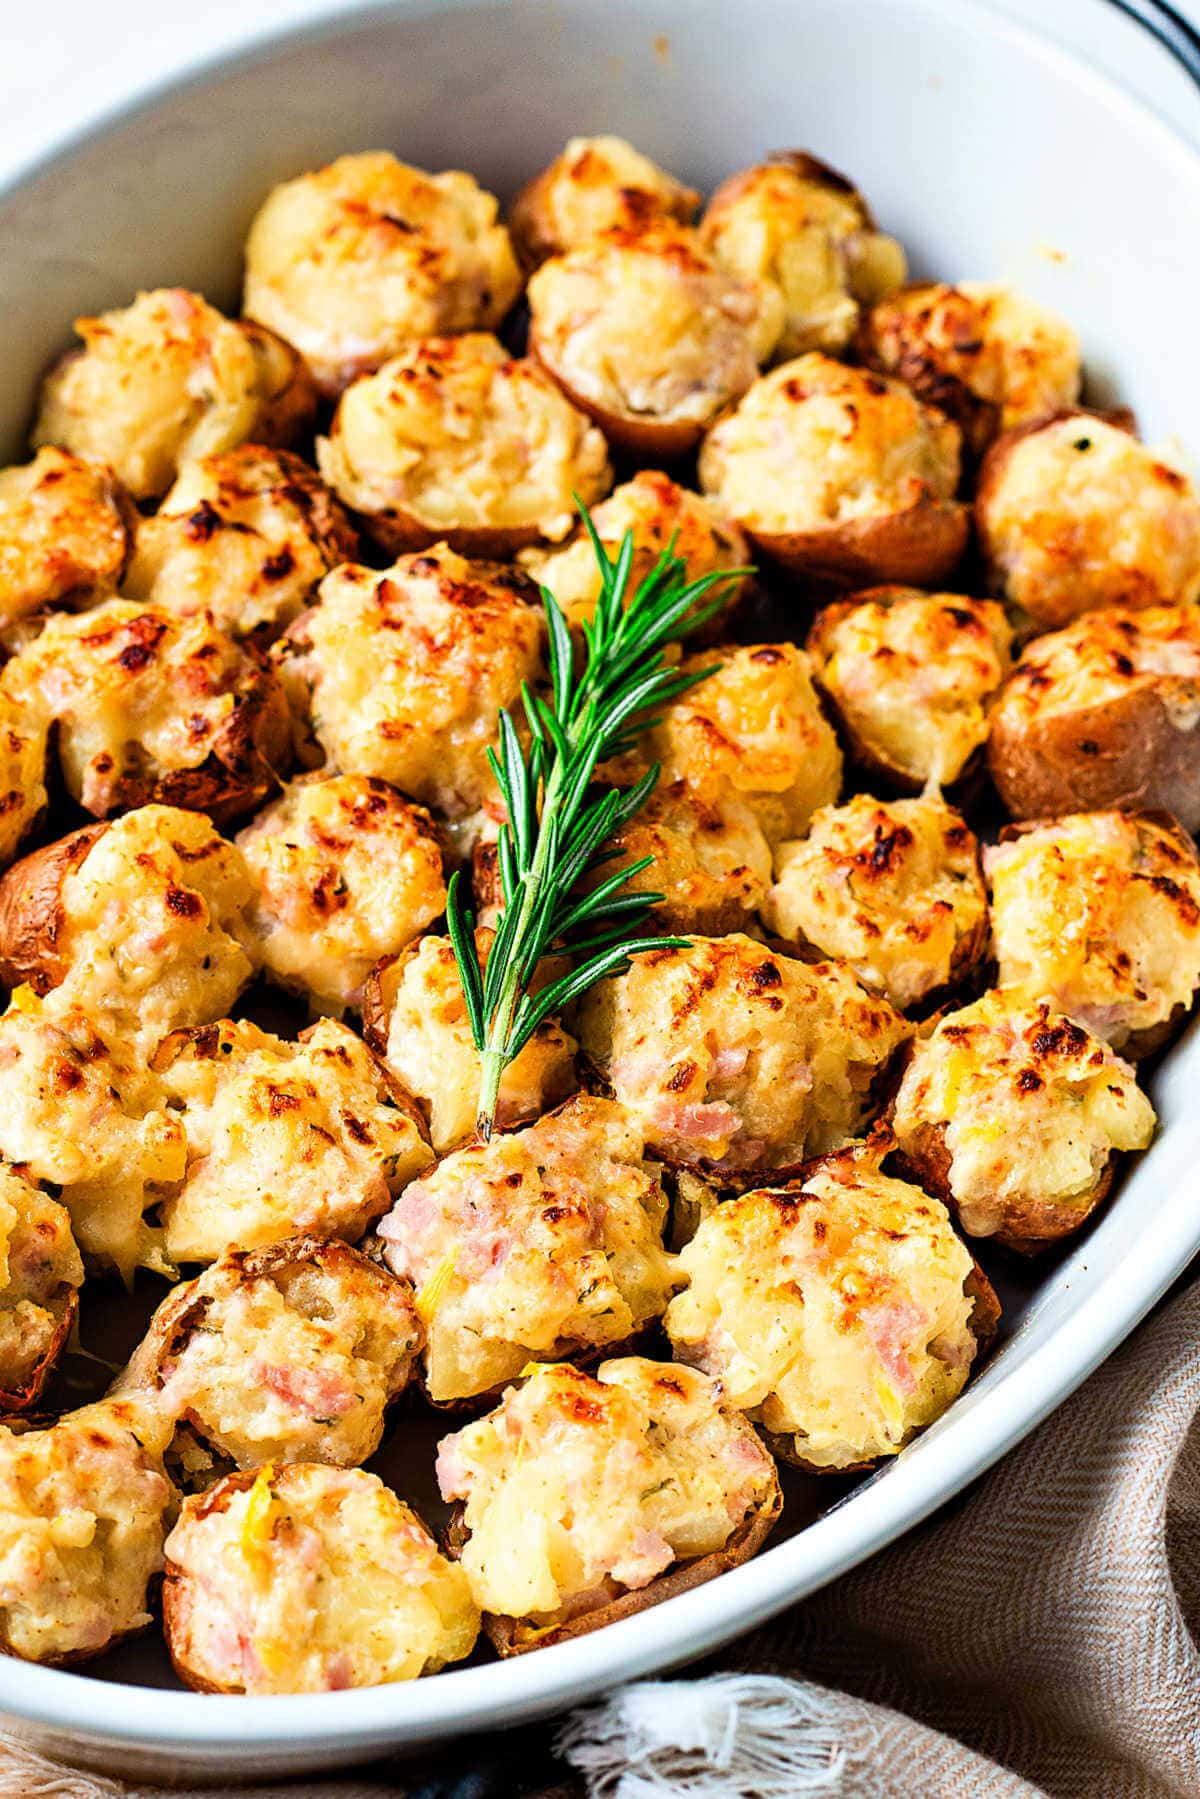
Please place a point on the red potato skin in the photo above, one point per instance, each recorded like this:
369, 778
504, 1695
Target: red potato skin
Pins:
290, 410
31, 913
515, 1636
1127, 753
20, 1399
920, 547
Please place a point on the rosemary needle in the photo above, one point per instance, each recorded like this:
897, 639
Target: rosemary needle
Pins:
558, 826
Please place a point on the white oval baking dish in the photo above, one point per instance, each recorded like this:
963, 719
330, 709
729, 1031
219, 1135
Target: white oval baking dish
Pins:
991, 153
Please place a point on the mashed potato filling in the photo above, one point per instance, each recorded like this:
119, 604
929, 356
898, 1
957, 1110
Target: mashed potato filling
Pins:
430, 1048
40, 1270
155, 384
64, 535
308, 1579
732, 1057
457, 434
347, 871
246, 537
84, 1115
1099, 912
401, 674
358, 259
913, 675
594, 185
546, 1241
794, 223
282, 1137
754, 726
1079, 514
1031, 1104
891, 888
1106, 655
836, 1311
1017, 357
136, 694
84, 1506
576, 1482
646, 325
288, 1355
659, 513
815, 444
155, 932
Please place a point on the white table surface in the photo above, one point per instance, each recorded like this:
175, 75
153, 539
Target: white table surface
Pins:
64, 63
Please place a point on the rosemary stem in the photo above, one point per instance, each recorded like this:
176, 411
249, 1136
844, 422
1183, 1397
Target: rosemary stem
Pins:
495, 1055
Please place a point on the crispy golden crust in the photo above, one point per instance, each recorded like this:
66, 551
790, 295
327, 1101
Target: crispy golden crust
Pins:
513, 1636
31, 911
594, 184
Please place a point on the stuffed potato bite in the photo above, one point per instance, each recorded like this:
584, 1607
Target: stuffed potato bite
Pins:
796, 223
1073, 514
309, 1579
66, 533
456, 441
645, 332
754, 729
910, 677
842, 1313
1099, 912
84, 1507
40, 1276
544, 1242
354, 261
658, 512
1103, 713
1014, 1114
401, 674
312, 1136
169, 378
286, 1354
712, 863
146, 707
140, 922
78, 1112
415, 1018
347, 871
891, 888
840, 474
246, 537
594, 185
733, 1059
988, 357
585, 1498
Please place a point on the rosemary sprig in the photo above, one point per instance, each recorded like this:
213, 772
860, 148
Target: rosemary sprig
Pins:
558, 828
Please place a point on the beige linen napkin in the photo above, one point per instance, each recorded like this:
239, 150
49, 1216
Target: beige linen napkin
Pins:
1035, 1638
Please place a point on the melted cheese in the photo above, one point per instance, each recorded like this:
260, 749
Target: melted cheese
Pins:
64, 536
575, 1481
1100, 914
362, 257
347, 871
594, 185
281, 1137
459, 435
39, 1269
728, 1055
893, 889
309, 1580
834, 1312
645, 325
913, 675
816, 444
556, 1233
